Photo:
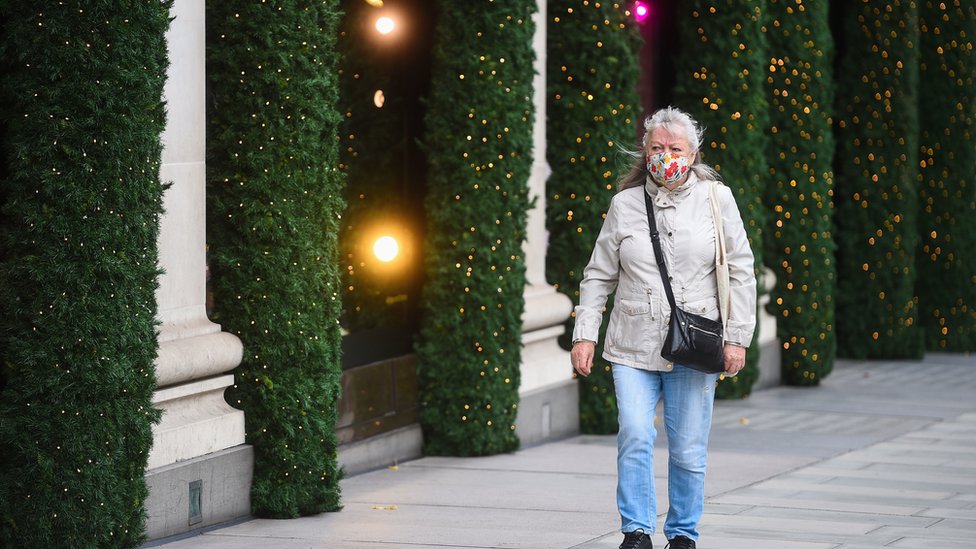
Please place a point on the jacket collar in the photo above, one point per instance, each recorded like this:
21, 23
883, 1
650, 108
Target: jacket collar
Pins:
662, 196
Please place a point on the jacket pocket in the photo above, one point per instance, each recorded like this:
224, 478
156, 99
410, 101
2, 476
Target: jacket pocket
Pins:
630, 327
706, 307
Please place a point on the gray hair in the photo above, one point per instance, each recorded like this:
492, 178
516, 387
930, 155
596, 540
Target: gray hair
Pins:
676, 122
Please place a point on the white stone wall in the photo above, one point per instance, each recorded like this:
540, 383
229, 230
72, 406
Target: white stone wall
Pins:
544, 363
194, 355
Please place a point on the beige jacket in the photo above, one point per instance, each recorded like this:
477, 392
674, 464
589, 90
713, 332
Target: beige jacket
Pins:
623, 260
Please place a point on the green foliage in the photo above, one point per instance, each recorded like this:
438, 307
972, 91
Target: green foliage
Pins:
479, 146
274, 201
591, 104
800, 150
947, 191
81, 199
720, 83
876, 170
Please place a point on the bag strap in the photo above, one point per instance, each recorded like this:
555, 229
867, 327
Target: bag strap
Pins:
658, 254
721, 262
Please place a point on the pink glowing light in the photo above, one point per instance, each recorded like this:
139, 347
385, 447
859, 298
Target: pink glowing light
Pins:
641, 11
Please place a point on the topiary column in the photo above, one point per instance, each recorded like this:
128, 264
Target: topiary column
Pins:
80, 195
479, 149
876, 195
591, 66
720, 82
800, 150
274, 198
947, 186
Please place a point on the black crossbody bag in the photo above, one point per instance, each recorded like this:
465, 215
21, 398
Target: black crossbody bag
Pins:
693, 340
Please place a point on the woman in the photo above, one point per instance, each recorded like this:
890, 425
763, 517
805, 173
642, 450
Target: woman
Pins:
671, 171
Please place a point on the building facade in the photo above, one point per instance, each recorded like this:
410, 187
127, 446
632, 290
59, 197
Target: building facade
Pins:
200, 467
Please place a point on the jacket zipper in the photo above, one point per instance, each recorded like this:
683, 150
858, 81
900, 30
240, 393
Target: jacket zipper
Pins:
693, 327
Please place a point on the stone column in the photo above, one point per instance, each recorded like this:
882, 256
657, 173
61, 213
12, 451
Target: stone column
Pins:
548, 392
198, 462
769, 347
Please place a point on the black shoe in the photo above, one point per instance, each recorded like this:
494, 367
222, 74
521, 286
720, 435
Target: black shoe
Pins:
637, 540
680, 542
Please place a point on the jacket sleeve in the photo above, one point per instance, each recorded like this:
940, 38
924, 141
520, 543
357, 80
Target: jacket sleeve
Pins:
599, 278
742, 274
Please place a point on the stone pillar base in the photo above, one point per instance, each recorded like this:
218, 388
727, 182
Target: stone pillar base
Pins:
549, 413
770, 373
548, 397
196, 421
221, 491
544, 362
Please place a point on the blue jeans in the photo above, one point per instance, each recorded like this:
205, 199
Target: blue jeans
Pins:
688, 398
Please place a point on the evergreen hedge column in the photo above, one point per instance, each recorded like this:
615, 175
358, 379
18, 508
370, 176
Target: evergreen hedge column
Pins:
876, 170
274, 207
592, 98
720, 83
479, 147
81, 200
946, 261
798, 242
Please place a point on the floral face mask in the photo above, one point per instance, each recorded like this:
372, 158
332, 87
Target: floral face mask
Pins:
666, 168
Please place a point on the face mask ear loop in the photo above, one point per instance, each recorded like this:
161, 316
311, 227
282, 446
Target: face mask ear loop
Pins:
651, 162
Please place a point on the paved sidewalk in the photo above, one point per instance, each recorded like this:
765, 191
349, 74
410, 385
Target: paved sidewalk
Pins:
883, 454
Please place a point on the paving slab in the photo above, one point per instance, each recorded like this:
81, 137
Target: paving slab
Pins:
803, 515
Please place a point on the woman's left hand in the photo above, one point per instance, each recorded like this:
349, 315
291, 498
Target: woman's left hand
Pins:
735, 358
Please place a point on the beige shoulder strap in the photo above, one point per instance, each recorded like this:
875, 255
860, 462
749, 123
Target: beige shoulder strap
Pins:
721, 265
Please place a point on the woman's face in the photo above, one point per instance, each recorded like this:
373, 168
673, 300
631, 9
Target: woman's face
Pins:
661, 140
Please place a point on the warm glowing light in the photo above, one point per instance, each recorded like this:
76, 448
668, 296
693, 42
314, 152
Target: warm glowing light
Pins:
641, 11
375, 3
386, 248
385, 25
379, 99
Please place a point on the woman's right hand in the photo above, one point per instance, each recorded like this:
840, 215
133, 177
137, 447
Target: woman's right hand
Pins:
582, 356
